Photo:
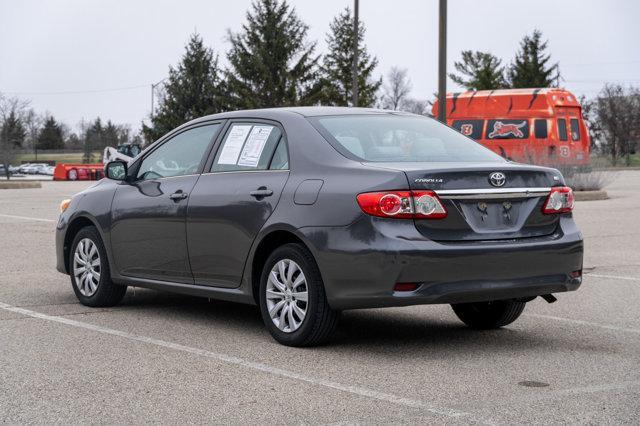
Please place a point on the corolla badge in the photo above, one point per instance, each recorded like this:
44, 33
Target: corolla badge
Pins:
497, 179
429, 180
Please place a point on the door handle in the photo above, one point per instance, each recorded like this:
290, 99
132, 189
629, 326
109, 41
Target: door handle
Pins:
261, 192
178, 195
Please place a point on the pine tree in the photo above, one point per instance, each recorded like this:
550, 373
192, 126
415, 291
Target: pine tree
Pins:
479, 71
93, 139
50, 136
272, 63
530, 67
194, 89
13, 130
337, 65
110, 135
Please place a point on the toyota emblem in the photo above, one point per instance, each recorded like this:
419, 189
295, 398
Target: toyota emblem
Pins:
497, 179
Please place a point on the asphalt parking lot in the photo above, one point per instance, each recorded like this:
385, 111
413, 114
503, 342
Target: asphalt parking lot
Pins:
164, 358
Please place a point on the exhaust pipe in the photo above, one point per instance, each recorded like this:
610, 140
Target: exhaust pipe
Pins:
550, 298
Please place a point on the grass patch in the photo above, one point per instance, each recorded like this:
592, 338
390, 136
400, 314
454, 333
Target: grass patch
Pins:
58, 157
598, 162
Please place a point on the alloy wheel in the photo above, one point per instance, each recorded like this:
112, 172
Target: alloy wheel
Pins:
287, 295
86, 267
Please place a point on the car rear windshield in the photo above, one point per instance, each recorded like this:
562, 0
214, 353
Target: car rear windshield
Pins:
387, 137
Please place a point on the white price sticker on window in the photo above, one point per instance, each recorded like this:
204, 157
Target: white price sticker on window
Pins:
233, 144
254, 146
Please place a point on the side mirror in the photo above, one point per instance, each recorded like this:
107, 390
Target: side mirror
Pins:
116, 170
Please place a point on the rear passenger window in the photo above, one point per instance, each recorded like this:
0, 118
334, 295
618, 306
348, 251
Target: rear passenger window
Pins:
562, 129
280, 160
247, 146
540, 128
575, 129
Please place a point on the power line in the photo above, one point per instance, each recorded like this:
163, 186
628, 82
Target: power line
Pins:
598, 63
80, 92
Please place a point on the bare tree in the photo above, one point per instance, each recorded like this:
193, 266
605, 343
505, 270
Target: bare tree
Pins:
589, 107
11, 131
396, 89
416, 106
618, 115
33, 123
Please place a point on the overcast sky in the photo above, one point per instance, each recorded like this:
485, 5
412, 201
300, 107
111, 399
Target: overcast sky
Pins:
87, 58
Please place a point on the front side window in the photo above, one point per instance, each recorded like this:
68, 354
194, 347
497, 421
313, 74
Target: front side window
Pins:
540, 128
387, 137
247, 147
562, 129
575, 129
181, 155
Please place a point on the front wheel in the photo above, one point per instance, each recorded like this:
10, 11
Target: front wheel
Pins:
89, 270
488, 315
293, 302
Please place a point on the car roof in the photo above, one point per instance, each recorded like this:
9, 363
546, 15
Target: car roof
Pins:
305, 111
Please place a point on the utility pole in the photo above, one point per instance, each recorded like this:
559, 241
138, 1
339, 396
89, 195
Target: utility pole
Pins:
153, 89
354, 71
442, 64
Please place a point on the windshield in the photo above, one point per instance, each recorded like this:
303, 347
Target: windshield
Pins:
401, 138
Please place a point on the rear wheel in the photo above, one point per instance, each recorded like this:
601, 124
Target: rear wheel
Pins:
293, 303
89, 271
488, 315
72, 175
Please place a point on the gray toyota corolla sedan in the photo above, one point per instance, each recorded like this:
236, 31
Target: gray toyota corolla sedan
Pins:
310, 211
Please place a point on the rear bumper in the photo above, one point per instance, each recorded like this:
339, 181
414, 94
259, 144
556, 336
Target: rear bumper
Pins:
361, 263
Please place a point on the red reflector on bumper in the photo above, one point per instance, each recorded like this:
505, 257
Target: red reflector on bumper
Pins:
576, 274
405, 286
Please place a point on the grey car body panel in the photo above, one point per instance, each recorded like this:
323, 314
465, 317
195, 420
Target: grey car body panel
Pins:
360, 257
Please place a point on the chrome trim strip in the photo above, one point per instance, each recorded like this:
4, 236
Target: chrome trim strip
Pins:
489, 193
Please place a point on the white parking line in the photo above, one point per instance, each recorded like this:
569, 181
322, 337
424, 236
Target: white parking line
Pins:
615, 277
37, 219
589, 323
265, 368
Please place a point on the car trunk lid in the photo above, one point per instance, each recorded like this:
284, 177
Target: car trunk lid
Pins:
510, 207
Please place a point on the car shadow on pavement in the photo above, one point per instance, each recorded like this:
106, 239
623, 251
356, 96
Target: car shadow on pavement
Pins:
421, 334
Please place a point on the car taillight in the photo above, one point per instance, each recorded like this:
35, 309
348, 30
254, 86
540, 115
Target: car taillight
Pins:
560, 200
402, 204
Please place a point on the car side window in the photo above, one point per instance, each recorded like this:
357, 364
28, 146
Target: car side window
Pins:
562, 129
247, 147
280, 160
181, 155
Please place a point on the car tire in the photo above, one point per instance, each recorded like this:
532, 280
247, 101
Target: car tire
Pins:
489, 315
72, 174
305, 282
90, 273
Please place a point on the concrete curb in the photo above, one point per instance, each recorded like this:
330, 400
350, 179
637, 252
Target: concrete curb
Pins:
20, 185
590, 195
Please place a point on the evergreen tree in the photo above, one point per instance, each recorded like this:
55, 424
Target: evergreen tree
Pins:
193, 89
50, 136
479, 71
272, 63
337, 65
13, 130
530, 67
110, 135
92, 139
